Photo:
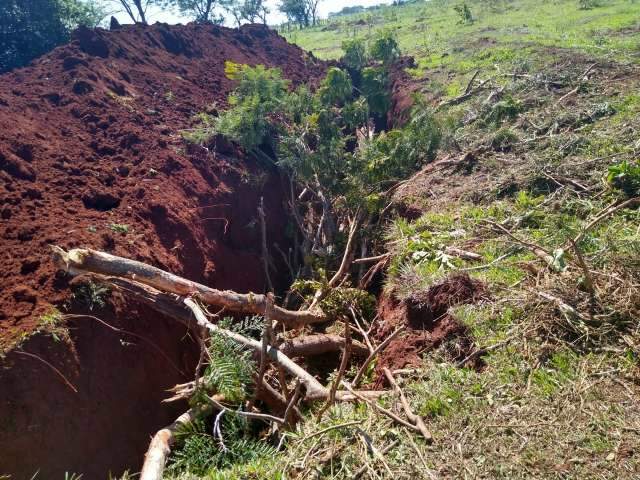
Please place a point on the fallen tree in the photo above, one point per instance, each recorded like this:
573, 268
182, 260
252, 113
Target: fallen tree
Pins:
79, 261
182, 300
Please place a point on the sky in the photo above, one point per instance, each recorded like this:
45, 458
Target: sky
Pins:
155, 14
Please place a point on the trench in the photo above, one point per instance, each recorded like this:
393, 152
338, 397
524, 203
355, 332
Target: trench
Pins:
120, 380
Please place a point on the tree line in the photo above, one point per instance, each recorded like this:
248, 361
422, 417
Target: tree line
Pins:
30, 28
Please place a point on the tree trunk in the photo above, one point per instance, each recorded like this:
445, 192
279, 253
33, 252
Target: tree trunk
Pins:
80, 261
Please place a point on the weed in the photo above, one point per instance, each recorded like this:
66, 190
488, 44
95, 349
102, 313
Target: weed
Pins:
91, 295
504, 140
625, 177
119, 228
464, 12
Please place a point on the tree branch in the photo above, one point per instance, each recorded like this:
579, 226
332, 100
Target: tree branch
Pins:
79, 261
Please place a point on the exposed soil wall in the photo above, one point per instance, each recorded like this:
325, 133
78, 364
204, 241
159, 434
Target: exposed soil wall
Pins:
90, 141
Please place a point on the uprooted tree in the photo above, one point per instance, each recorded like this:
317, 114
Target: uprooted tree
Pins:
341, 174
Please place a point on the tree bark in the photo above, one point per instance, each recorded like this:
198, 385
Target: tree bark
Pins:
160, 447
80, 261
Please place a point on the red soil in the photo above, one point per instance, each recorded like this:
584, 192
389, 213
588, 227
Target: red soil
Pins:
89, 138
428, 323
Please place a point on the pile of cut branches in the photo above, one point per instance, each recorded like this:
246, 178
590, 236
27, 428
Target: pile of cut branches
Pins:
280, 384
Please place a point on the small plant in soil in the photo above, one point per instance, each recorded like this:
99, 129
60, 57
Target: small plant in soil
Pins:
464, 12
625, 178
91, 295
119, 228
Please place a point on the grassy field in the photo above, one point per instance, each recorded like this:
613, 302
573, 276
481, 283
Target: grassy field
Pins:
432, 31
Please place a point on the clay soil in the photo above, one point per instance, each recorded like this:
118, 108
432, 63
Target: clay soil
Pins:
425, 314
91, 155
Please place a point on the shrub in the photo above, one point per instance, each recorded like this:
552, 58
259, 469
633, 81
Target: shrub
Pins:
503, 140
385, 47
464, 12
260, 92
506, 109
588, 4
355, 54
396, 154
336, 88
374, 89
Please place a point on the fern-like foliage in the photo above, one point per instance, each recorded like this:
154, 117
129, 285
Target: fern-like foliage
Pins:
198, 452
231, 366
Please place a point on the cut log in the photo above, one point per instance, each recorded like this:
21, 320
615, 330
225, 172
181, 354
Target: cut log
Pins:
160, 447
79, 261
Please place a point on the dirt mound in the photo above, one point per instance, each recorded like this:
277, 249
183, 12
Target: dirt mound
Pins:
90, 139
425, 313
91, 155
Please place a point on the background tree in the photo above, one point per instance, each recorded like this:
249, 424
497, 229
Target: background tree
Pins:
30, 28
312, 9
296, 11
202, 10
255, 9
136, 9
235, 9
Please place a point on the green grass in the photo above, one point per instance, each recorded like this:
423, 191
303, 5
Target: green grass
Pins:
430, 31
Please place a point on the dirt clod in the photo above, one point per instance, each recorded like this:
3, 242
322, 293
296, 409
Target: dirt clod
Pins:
429, 325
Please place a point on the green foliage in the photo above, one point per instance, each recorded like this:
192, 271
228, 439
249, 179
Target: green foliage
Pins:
199, 453
355, 53
338, 301
395, 154
259, 93
336, 88
119, 228
384, 47
231, 366
355, 114
301, 12
625, 176
31, 28
503, 140
374, 87
91, 295
506, 109
588, 4
464, 12
559, 371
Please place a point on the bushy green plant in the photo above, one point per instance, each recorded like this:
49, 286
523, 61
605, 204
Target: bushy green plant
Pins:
199, 453
588, 4
625, 177
355, 53
374, 87
336, 88
384, 47
503, 140
506, 109
464, 12
91, 295
231, 367
259, 93
395, 154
